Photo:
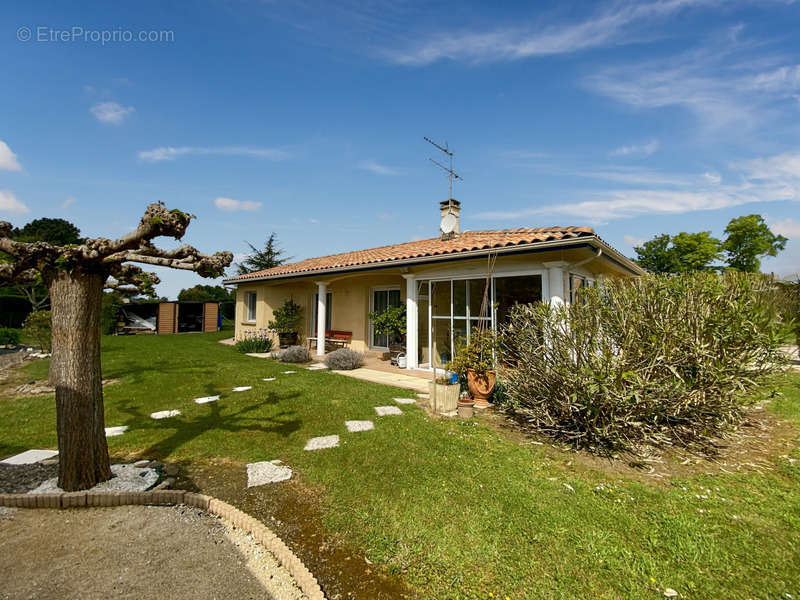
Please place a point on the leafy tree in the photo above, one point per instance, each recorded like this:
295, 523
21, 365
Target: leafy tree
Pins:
75, 276
748, 240
271, 256
682, 253
58, 232
696, 251
205, 293
53, 231
656, 255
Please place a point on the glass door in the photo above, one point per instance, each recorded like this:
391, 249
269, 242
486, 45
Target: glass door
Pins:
380, 301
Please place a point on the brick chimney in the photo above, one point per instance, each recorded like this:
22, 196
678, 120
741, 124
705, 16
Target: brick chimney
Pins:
450, 207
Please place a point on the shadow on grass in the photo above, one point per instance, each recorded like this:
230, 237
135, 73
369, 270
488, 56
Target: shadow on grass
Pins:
188, 429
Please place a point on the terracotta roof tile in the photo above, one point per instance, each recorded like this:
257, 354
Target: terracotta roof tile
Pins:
465, 242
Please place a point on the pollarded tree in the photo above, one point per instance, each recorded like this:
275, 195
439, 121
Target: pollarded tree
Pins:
75, 276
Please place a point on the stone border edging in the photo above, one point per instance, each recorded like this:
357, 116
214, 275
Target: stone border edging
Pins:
307, 583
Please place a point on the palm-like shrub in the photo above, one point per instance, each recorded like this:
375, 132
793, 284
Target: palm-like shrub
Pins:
344, 359
295, 354
659, 359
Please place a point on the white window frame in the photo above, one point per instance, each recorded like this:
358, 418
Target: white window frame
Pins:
498, 273
247, 307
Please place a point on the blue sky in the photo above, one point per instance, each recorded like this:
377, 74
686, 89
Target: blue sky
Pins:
637, 118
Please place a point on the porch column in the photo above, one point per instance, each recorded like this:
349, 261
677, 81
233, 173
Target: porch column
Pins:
555, 281
322, 301
412, 360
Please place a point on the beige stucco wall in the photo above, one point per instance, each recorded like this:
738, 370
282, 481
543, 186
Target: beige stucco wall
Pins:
351, 293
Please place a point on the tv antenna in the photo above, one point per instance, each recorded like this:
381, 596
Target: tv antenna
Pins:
449, 170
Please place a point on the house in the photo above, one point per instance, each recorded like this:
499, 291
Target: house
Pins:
441, 281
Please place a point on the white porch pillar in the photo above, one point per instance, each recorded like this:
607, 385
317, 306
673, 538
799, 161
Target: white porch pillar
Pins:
412, 360
322, 302
555, 281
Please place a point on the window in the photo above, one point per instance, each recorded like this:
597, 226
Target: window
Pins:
509, 291
381, 300
328, 313
251, 307
576, 282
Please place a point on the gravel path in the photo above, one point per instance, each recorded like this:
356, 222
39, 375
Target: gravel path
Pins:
142, 552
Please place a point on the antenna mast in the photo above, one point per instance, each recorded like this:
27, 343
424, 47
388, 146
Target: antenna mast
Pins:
449, 170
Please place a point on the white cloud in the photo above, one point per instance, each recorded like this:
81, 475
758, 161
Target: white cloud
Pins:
68, 202
637, 150
375, 167
171, 153
8, 160
229, 204
603, 29
786, 227
769, 179
111, 112
633, 240
714, 178
10, 205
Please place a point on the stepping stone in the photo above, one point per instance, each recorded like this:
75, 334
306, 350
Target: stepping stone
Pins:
268, 379
384, 411
262, 473
164, 414
289, 372
206, 399
405, 400
356, 426
115, 431
29, 457
317, 367
243, 388
320, 443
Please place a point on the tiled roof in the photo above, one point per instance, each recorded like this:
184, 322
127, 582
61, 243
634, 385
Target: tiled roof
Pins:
464, 242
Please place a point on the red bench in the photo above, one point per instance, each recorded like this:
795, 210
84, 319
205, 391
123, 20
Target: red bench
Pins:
334, 337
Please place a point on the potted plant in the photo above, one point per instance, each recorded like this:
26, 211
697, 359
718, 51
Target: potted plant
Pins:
286, 321
475, 363
392, 323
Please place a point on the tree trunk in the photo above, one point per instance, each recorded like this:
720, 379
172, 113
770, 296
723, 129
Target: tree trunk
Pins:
75, 299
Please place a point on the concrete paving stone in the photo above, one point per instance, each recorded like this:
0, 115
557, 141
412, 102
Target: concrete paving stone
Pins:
164, 414
320, 443
356, 426
317, 367
289, 372
243, 388
114, 431
206, 399
262, 473
384, 411
268, 379
405, 400
29, 457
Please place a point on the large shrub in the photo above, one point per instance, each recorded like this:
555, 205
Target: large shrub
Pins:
255, 341
295, 354
37, 326
9, 336
658, 359
344, 359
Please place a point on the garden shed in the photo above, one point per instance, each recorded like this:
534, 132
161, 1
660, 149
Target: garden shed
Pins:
169, 317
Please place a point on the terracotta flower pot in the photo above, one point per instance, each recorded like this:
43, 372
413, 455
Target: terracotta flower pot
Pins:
481, 386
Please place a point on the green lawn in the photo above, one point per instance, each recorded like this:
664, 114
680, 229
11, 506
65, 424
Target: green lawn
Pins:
459, 509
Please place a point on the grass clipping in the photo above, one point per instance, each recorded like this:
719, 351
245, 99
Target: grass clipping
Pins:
657, 360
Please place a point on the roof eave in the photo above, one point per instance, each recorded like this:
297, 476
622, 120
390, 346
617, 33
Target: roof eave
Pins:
589, 239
